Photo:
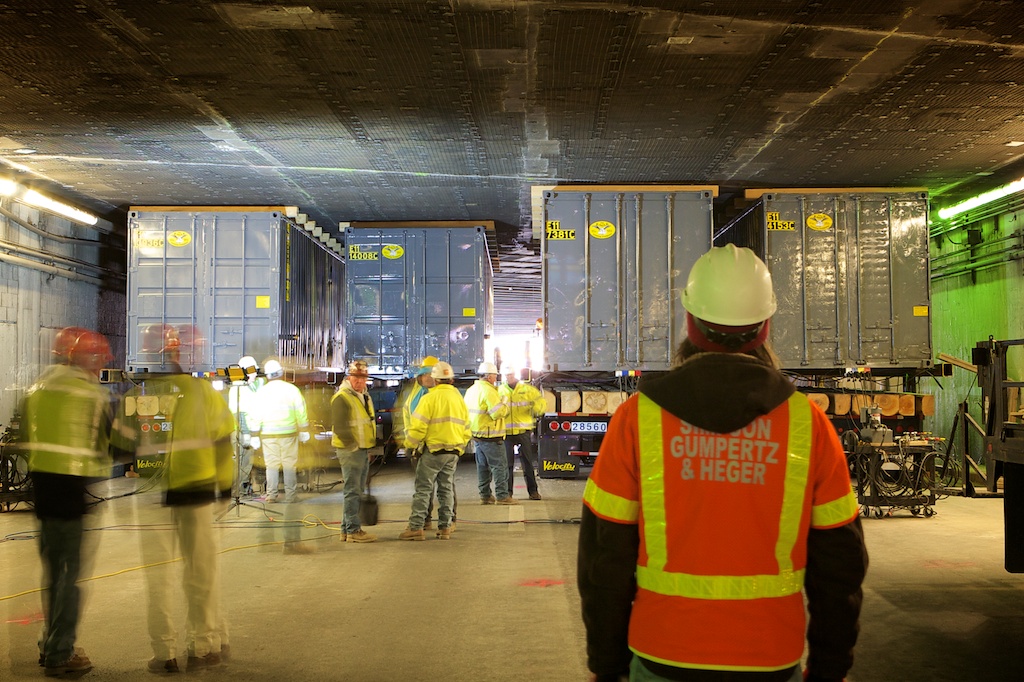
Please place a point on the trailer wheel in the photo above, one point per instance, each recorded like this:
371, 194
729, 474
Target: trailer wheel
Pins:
929, 512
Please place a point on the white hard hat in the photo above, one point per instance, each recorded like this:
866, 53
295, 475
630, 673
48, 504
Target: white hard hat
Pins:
248, 362
273, 369
729, 286
442, 370
508, 368
487, 368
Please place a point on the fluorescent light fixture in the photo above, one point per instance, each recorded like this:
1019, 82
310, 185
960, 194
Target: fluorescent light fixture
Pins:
7, 188
982, 199
36, 199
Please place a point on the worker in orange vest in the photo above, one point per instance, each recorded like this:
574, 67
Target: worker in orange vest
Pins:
712, 507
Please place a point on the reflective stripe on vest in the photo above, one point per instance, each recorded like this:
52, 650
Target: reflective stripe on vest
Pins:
654, 578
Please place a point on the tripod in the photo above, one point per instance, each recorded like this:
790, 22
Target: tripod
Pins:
236, 489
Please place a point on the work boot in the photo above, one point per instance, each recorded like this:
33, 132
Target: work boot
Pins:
343, 536
361, 536
487, 500
535, 496
428, 524
199, 662
155, 665
444, 533
507, 500
410, 534
78, 663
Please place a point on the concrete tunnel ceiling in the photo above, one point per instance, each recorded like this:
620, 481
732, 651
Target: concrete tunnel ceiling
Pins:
456, 110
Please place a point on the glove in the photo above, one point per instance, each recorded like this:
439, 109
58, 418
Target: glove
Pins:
303, 436
254, 442
246, 440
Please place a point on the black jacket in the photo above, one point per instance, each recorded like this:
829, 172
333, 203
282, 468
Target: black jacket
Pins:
719, 392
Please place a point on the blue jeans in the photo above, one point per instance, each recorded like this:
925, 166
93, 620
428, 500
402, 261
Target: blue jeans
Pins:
526, 456
355, 467
60, 547
491, 464
638, 672
440, 468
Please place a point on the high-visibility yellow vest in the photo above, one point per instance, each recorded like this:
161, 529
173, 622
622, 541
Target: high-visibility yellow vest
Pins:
526, 403
361, 431
66, 421
441, 421
280, 409
200, 420
487, 411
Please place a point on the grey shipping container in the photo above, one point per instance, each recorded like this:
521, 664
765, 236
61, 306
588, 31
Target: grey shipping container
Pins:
417, 291
615, 259
850, 271
233, 281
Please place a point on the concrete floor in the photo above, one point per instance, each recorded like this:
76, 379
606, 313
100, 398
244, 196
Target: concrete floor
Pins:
498, 601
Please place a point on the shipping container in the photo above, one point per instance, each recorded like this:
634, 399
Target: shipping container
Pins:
415, 291
233, 281
615, 260
850, 269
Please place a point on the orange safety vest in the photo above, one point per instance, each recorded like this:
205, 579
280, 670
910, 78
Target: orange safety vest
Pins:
723, 529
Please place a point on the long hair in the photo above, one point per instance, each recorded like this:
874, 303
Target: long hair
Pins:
688, 349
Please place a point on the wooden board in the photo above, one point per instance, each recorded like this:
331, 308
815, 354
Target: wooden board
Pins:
889, 402
908, 405
841, 403
819, 399
926, 406
570, 401
615, 398
858, 401
595, 402
549, 398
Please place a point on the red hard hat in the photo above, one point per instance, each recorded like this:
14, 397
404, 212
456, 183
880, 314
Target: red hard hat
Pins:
65, 341
157, 338
91, 350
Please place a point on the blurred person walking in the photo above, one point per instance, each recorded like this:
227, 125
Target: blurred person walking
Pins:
198, 471
719, 495
526, 403
354, 424
439, 426
282, 423
65, 432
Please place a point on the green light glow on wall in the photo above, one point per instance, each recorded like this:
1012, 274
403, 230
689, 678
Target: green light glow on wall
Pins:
981, 199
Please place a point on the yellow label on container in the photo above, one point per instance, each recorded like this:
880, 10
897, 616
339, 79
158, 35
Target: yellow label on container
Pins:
775, 223
819, 222
469, 312
179, 238
355, 252
262, 302
392, 251
920, 311
601, 229
553, 230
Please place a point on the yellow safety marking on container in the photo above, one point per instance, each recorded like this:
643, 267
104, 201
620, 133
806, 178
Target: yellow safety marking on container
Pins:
355, 252
392, 251
775, 223
553, 230
262, 302
920, 311
469, 312
179, 238
819, 222
601, 229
